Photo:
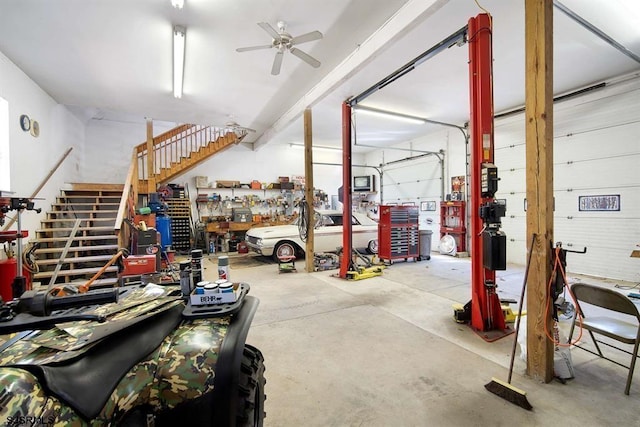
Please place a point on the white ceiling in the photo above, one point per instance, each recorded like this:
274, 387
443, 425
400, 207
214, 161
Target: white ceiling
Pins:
114, 59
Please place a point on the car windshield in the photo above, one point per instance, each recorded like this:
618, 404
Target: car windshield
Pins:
332, 220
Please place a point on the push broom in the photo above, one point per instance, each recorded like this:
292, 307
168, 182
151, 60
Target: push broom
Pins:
505, 389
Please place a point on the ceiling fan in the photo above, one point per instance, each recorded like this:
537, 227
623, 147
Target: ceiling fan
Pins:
233, 126
284, 41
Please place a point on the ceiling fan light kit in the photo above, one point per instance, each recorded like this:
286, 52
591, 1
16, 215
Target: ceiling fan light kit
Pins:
283, 41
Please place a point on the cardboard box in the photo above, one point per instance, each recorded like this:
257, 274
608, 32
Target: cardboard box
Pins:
149, 219
228, 184
202, 181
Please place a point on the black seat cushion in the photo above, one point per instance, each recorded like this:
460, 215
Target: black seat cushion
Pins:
85, 384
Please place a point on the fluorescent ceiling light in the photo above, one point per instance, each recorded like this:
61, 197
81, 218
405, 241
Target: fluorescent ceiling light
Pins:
389, 114
179, 39
178, 4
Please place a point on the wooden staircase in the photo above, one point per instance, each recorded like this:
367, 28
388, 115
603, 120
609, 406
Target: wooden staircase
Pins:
179, 150
93, 244
102, 208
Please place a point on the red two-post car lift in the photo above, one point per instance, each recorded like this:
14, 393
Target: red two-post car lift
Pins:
488, 242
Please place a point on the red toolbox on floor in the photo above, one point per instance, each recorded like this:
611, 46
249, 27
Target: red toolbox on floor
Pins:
139, 264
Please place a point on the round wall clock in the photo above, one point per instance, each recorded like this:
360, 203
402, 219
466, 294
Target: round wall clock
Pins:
35, 128
25, 122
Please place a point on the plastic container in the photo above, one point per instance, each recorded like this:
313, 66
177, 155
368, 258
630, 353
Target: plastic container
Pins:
210, 288
226, 288
425, 244
223, 267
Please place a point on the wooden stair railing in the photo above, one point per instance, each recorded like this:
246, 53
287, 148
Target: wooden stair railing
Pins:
180, 149
128, 201
174, 153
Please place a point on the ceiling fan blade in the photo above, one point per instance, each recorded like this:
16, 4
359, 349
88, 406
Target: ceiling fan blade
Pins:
309, 37
305, 57
246, 49
269, 29
277, 63
248, 129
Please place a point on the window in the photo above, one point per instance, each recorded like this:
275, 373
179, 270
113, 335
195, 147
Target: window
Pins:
5, 181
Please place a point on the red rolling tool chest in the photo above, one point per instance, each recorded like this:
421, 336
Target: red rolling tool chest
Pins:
398, 235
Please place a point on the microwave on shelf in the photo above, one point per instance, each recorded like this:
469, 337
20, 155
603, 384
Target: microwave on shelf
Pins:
364, 183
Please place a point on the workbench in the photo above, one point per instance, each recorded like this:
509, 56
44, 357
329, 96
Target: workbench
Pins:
221, 228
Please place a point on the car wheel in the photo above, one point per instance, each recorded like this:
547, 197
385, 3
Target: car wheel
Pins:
372, 247
283, 250
251, 394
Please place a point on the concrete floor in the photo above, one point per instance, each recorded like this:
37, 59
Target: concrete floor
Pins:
386, 351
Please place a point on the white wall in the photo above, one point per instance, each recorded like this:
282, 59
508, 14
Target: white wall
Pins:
110, 143
240, 163
32, 158
596, 152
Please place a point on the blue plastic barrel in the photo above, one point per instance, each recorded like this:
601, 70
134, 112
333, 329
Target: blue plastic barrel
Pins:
163, 225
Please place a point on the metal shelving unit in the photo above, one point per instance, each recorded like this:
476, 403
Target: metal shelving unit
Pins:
452, 222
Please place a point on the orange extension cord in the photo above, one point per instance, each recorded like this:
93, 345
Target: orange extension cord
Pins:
557, 265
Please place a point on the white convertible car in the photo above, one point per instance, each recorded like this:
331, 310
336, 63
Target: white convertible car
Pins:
282, 241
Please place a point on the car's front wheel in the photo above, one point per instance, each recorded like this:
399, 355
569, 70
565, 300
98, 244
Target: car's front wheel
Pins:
372, 247
284, 250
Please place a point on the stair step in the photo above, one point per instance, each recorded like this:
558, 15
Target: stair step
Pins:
98, 283
91, 203
73, 220
75, 260
74, 272
103, 211
64, 239
74, 249
80, 229
93, 188
90, 196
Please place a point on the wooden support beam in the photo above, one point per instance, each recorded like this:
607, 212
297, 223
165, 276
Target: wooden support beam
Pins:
539, 176
151, 184
308, 186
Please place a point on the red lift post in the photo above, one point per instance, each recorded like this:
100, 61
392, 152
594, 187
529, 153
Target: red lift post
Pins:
488, 243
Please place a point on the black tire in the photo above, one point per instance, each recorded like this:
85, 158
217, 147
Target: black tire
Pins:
372, 247
284, 249
251, 384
